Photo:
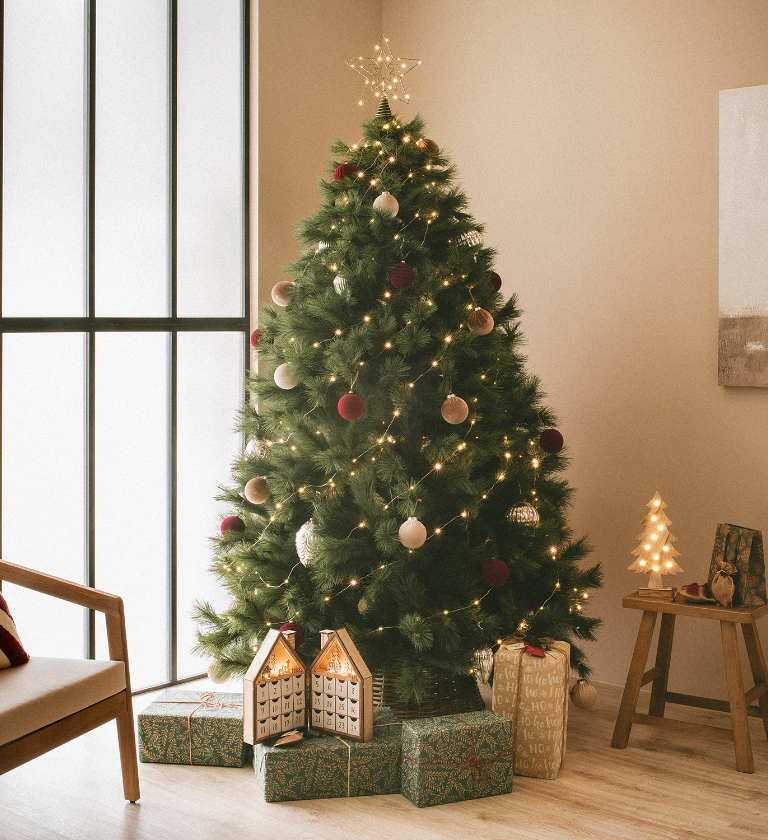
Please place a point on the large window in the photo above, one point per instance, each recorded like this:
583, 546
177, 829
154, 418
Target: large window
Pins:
123, 309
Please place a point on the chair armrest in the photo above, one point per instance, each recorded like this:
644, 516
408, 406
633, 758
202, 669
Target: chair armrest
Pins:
66, 590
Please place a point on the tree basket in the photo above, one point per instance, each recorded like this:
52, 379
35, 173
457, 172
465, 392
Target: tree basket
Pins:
446, 694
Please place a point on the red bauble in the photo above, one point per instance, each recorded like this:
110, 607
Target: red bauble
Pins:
401, 275
351, 406
232, 523
297, 629
495, 281
550, 441
344, 170
495, 572
255, 338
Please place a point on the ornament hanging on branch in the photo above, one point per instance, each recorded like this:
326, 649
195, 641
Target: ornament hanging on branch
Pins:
362, 606
401, 276
304, 537
454, 409
297, 629
232, 523
344, 170
484, 664
256, 448
212, 676
285, 378
523, 513
583, 695
281, 292
351, 406
412, 533
471, 239
255, 339
551, 441
257, 490
495, 572
341, 286
495, 281
387, 202
480, 321
429, 146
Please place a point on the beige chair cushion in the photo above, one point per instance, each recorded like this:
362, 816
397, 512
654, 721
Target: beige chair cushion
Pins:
46, 690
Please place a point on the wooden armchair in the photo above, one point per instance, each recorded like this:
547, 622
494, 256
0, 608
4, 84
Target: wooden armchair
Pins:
48, 702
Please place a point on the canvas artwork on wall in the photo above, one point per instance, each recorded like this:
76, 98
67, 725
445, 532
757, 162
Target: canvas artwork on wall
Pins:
743, 337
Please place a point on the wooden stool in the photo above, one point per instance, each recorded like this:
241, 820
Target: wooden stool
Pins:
738, 701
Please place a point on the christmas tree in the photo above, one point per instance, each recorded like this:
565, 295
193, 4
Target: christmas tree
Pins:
401, 476
656, 554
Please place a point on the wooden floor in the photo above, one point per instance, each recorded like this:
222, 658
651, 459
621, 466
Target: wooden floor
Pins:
664, 786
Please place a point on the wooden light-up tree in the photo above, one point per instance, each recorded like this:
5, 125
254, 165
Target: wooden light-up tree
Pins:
656, 554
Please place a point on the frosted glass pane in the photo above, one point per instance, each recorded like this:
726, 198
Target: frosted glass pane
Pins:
209, 159
131, 158
132, 492
210, 390
43, 194
43, 482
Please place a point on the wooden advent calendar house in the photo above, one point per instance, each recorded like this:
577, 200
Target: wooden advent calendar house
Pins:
274, 689
341, 689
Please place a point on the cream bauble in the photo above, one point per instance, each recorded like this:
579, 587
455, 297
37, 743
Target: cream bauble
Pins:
386, 201
304, 538
454, 409
212, 675
583, 695
281, 292
285, 378
480, 321
257, 490
412, 533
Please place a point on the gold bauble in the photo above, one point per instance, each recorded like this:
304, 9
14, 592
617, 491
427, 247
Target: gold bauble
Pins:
454, 409
428, 146
480, 321
257, 490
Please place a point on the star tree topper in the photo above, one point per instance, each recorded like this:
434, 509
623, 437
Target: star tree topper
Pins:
383, 73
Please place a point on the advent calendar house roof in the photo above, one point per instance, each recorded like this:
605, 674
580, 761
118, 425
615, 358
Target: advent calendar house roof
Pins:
339, 651
275, 657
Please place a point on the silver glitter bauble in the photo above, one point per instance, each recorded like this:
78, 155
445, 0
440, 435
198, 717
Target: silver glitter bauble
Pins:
471, 239
484, 664
256, 448
341, 286
304, 538
534, 450
523, 513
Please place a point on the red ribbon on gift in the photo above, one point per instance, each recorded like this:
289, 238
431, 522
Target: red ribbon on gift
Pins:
481, 767
208, 701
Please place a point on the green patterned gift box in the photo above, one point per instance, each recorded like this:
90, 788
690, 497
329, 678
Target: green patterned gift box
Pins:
190, 727
329, 767
457, 757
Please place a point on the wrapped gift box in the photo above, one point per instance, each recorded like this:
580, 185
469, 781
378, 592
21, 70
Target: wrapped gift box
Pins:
188, 727
328, 766
532, 691
457, 757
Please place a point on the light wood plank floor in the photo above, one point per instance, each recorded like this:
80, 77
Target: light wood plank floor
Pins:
664, 786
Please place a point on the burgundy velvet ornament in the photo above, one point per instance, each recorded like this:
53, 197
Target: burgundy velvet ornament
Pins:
550, 441
495, 281
232, 523
495, 572
297, 629
401, 275
255, 338
480, 321
344, 170
351, 406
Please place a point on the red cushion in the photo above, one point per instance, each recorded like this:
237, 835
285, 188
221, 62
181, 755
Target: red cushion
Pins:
11, 651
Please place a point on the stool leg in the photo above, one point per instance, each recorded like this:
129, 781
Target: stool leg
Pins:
663, 656
757, 664
634, 680
736, 698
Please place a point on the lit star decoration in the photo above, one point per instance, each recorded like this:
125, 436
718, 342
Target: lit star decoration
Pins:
383, 73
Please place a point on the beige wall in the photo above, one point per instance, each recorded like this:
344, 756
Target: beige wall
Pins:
585, 133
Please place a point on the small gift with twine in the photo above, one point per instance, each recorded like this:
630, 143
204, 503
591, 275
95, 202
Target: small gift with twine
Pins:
457, 757
190, 727
328, 767
530, 687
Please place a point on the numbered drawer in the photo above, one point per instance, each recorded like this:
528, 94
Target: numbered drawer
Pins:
329, 703
287, 703
286, 721
329, 720
274, 689
342, 687
299, 700
262, 710
299, 682
286, 686
341, 705
298, 718
353, 726
274, 725
262, 729
329, 685
275, 706
353, 689
317, 717
317, 682
341, 723
353, 708
317, 700
262, 692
